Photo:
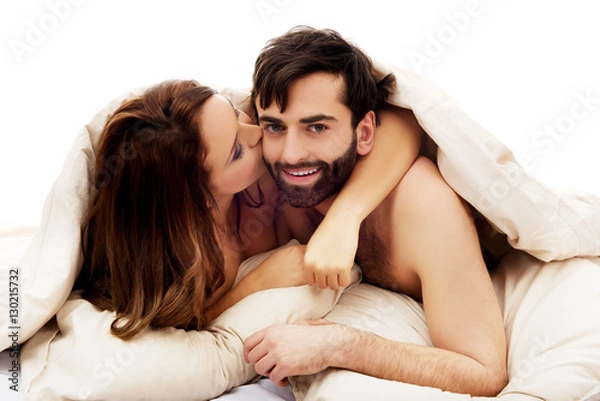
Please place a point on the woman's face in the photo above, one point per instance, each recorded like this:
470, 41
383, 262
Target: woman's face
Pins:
234, 146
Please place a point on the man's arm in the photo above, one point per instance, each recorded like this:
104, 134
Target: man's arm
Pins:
439, 241
331, 250
437, 238
303, 349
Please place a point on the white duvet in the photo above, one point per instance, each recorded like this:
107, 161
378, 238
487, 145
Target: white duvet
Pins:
548, 287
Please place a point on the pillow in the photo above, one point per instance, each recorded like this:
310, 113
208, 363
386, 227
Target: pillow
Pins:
551, 317
388, 314
76, 357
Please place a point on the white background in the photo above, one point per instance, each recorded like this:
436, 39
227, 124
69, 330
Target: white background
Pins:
520, 68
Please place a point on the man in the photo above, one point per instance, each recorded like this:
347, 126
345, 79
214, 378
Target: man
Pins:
420, 240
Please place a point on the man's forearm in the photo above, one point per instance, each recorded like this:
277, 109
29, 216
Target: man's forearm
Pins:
395, 148
373, 355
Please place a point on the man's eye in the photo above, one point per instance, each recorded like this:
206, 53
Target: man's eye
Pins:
273, 128
317, 128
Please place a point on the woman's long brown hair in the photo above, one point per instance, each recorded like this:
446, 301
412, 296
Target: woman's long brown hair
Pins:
150, 246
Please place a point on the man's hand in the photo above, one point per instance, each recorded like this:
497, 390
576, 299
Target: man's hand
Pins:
330, 253
285, 350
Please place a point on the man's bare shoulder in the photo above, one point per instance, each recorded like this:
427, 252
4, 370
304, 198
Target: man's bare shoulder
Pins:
394, 237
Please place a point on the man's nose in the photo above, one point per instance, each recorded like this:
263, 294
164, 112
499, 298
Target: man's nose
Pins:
294, 149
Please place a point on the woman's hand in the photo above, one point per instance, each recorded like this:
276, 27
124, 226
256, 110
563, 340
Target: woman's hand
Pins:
283, 268
332, 248
330, 253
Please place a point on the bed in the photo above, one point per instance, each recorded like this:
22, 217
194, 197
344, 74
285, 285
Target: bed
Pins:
547, 283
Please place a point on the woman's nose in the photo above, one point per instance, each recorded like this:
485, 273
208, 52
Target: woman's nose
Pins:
253, 134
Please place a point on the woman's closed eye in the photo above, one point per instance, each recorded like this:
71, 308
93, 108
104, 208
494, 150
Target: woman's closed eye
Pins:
238, 152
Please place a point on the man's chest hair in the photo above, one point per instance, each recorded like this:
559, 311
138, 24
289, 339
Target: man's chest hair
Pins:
373, 255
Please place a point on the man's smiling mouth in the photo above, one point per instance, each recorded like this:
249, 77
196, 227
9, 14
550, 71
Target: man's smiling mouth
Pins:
301, 173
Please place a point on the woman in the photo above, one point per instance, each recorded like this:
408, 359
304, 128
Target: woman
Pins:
183, 197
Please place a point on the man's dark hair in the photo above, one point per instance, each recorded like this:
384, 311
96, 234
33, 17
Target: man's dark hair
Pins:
304, 50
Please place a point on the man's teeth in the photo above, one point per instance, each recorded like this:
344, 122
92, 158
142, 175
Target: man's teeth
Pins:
302, 173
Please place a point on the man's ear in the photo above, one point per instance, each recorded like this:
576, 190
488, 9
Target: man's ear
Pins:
365, 131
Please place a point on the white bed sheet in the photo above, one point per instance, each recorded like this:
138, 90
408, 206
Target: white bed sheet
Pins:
263, 390
13, 242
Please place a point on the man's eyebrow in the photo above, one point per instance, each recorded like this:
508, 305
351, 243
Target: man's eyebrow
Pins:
305, 120
269, 119
318, 117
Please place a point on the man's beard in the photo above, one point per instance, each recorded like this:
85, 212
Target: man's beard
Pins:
333, 177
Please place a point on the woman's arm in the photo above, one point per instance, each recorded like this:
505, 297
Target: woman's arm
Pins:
282, 268
331, 250
334, 243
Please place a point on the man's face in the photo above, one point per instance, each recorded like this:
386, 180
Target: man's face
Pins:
310, 149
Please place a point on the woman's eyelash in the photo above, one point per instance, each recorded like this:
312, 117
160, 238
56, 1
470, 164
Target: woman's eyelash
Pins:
239, 152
